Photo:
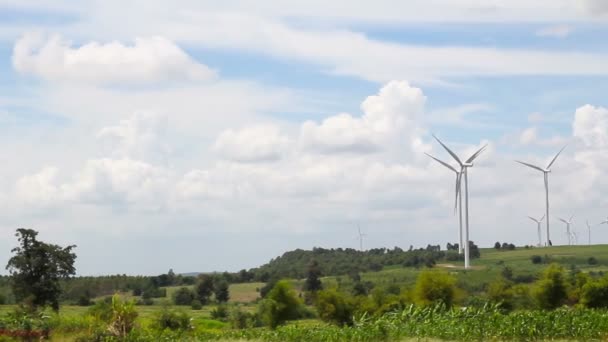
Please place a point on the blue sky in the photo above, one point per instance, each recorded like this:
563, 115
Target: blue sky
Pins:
138, 130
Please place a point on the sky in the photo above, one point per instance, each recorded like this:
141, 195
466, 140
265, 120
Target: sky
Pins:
211, 136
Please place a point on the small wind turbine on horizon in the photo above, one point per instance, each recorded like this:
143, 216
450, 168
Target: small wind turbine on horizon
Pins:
464, 166
360, 237
458, 202
575, 236
589, 231
545, 172
538, 222
568, 232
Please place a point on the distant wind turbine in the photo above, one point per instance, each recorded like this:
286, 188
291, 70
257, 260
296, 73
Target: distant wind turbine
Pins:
545, 172
575, 236
458, 202
568, 232
589, 231
538, 222
360, 237
464, 167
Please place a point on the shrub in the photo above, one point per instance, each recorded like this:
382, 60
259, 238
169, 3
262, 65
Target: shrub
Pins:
595, 293
281, 304
435, 287
537, 259
335, 307
173, 320
123, 317
183, 296
196, 305
220, 313
592, 261
551, 291
500, 292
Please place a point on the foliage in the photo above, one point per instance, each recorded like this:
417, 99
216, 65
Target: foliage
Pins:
313, 278
196, 305
221, 292
281, 304
595, 293
183, 296
551, 290
123, 317
204, 288
220, 313
434, 287
173, 319
37, 267
536, 259
334, 307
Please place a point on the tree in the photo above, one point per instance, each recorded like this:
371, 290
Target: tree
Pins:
183, 296
333, 306
204, 288
435, 287
37, 268
281, 304
221, 291
313, 281
551, 291
497, 245
595, 293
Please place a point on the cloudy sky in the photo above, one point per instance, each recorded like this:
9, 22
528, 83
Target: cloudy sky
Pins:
211, 136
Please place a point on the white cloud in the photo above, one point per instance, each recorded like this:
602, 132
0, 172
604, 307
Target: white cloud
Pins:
594, 7
591, 126
252, 144
154, 59
396, 110
559, 31
528, 136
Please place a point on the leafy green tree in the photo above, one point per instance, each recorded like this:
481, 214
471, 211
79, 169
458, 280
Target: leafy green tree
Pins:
204, 288
500, 292
313, 279
183, 296
37, 268
335, 307
551, 290
221, 291
595, 293
435, 287
281, 304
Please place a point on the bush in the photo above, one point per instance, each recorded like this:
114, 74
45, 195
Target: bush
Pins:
537, 259
196, 305
435, 287
595, 293
551, 291
592, 261
500, 292
335, 307
183, 296
173, 320
281, 304
240, 319
220, 313
123, 317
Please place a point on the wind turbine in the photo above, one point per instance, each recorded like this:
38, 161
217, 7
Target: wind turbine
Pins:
545, 172
568, 228
360, 237
538, 222
589, 231
575, 236
458, 202
464, 170
605, 221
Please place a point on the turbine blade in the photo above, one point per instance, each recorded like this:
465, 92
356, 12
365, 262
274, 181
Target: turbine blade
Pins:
458, 177
476, 154
530, 165
533, 219
570, 220
449, 151
541, 219
554, 158
561, 219
442, 163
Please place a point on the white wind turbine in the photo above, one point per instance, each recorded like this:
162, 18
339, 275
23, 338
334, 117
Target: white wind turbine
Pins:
568, 232
360, 237
589, 231
575, 237
545, 172
464, 171
538, 222
458, 202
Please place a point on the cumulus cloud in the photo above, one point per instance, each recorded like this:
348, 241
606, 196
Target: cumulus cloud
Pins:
591, 126
396, 109
151, 59
252, 144
528, 136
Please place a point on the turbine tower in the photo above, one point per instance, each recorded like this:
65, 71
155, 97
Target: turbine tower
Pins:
545, 172
568, 232
458, 202
360, 237
464, 171
589, 231
538, 222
